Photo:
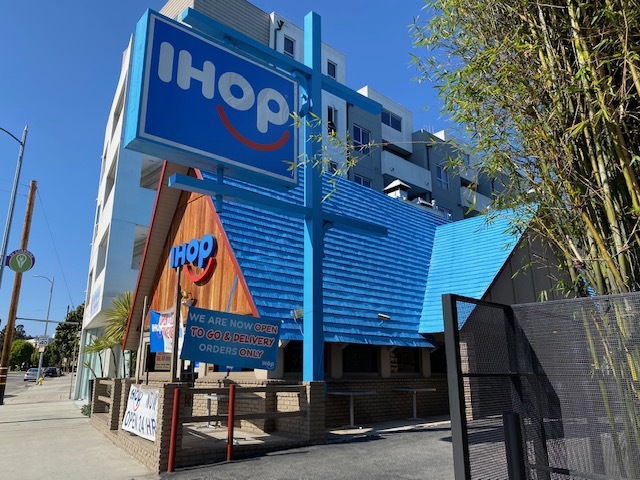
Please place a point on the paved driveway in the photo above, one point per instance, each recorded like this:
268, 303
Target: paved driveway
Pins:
420, 453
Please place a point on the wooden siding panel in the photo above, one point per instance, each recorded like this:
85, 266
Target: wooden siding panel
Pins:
193, 218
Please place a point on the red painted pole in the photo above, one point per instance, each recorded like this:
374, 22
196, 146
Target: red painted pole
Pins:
231, 420
174, 429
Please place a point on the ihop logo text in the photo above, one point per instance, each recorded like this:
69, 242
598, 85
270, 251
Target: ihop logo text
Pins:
233, 91
200, 253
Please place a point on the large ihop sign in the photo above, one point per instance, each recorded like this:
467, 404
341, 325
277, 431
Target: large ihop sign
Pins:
199, 104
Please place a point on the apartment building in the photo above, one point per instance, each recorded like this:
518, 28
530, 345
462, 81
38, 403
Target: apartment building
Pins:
391, 157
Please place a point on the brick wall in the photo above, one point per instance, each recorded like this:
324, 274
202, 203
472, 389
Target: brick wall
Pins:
320, 412
153, 455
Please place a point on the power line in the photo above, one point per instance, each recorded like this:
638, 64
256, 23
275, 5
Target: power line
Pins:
55, 249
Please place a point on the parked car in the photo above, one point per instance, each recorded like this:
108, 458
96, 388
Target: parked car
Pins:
31, 375
52, 372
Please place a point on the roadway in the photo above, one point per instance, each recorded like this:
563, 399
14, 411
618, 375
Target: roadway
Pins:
15, 383
419, 453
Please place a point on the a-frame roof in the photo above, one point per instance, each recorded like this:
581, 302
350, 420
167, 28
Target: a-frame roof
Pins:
467, 256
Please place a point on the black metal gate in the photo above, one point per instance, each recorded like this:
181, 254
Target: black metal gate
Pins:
546, 390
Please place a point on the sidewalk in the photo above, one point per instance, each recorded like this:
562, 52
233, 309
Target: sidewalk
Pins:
43, 435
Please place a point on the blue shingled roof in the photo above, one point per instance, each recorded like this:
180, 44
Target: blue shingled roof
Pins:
363, 274
467, 256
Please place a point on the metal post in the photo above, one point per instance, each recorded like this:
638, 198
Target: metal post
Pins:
12, 202
461, 466
231, 418
513, 445
46, 323
175, 373
175, 423
312, 365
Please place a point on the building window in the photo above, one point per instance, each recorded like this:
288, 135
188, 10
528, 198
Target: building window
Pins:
101, 260
289, 45
405, 360
391, 119
139, 241
438, 361
446, 213
364, 181
150, 173
360, 359
361, 139
293, 357
332, 122
331, 69
442, 176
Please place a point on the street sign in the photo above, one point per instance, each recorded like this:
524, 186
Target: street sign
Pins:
20, 261
42, 340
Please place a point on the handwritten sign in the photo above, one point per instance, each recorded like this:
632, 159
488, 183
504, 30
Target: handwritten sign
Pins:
142, 412
222, 338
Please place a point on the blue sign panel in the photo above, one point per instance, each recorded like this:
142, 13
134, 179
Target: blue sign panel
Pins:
222, 338
199, 104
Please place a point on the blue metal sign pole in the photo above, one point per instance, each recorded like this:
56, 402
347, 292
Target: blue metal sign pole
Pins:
313, 344
313, 82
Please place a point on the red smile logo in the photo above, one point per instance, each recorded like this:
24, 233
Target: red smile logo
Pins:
269, 147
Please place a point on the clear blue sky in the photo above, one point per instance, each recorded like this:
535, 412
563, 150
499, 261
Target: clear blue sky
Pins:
60, 61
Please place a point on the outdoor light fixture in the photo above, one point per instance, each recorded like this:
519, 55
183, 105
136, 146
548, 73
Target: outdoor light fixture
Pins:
383, 317
189, 302
297, 314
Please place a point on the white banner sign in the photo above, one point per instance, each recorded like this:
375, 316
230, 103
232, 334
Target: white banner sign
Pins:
142, 412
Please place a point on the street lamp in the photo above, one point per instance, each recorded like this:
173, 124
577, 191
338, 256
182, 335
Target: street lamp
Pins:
14, 190
46, 323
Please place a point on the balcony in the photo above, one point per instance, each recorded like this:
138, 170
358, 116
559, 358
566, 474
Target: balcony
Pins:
469, 174
406, 171
472, 199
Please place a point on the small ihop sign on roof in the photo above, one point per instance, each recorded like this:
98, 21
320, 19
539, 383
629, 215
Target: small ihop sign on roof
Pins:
200, 253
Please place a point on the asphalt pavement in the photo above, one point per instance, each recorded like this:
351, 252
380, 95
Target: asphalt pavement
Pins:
419, 451
43, 435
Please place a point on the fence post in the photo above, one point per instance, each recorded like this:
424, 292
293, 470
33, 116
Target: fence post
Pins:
461, 466
230, 421
175, 421
513, 445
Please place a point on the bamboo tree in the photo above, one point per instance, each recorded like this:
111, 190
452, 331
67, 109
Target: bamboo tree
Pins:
549, 94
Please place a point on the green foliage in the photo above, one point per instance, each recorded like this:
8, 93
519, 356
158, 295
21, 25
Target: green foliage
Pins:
66, 339
86, 410
549, 92
21, 351
116, 325
117, 316
18, 334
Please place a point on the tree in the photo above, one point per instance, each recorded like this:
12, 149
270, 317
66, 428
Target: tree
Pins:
116, 326
549, 93
21, 351
65, 344
18, 334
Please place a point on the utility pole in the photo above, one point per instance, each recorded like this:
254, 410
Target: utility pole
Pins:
15, 295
